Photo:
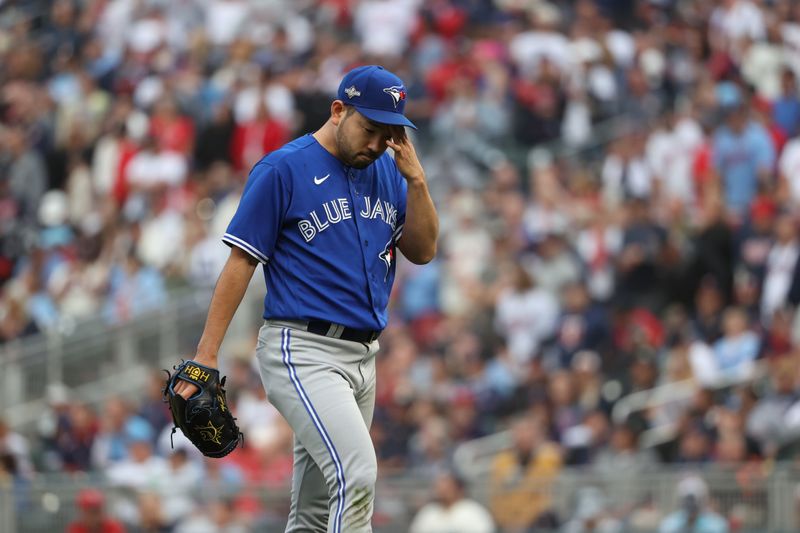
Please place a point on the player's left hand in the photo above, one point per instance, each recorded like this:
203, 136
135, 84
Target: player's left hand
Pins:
405, 155
204, 418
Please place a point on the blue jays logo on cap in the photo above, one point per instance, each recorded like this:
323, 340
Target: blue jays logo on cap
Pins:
377, 94
397, 94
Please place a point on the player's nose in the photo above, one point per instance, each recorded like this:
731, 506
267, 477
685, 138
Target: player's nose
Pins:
377, 144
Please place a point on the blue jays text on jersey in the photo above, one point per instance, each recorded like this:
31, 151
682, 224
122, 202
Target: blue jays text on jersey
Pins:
337, 210
325, 232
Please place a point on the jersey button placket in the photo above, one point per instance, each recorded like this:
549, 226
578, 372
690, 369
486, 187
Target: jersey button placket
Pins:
351, 183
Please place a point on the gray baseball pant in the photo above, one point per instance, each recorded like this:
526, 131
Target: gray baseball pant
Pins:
325, 389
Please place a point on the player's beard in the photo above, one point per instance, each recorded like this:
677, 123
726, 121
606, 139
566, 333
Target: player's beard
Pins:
363, 162
347, 154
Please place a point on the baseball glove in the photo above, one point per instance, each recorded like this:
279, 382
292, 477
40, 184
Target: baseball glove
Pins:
204, 418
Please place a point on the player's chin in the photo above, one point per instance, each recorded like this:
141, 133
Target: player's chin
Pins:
362, 161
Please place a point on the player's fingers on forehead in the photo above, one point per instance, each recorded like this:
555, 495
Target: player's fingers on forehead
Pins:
398, 133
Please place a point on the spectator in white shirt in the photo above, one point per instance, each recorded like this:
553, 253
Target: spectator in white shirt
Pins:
140, 473
16, 446
385, 25
670, 153
736, 20
225, 19
541, 42
525, 314
451, 511
780, 267
217, 517
152, 167
625, 172
789, 169
598, 244
185, 476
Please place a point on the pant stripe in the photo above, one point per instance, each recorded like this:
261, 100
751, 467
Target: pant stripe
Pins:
287, 360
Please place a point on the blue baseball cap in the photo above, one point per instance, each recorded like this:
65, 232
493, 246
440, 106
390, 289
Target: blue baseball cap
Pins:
378, 94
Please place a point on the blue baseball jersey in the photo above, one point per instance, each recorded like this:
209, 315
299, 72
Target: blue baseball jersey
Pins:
324, 232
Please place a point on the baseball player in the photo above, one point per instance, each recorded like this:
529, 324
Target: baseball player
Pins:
325, 214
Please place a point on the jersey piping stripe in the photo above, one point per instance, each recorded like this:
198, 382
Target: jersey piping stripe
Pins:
247, 247
287, 360
397, 232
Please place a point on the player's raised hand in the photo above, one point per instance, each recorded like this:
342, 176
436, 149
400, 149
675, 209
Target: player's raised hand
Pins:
405, 155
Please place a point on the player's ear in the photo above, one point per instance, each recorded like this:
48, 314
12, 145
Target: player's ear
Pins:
338, 111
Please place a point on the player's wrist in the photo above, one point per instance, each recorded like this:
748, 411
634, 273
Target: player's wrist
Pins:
206, 358
416, 179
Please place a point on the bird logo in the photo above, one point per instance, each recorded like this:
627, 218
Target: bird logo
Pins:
398, 93
387, 256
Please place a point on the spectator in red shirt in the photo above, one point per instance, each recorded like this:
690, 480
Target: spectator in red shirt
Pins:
172, 130
92, 517
255, 138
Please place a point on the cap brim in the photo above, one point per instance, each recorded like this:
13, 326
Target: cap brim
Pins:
385, 117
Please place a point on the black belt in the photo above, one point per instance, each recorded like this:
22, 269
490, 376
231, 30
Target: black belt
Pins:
337, 331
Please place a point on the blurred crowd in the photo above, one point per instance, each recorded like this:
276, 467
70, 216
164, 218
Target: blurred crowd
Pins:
618, 183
